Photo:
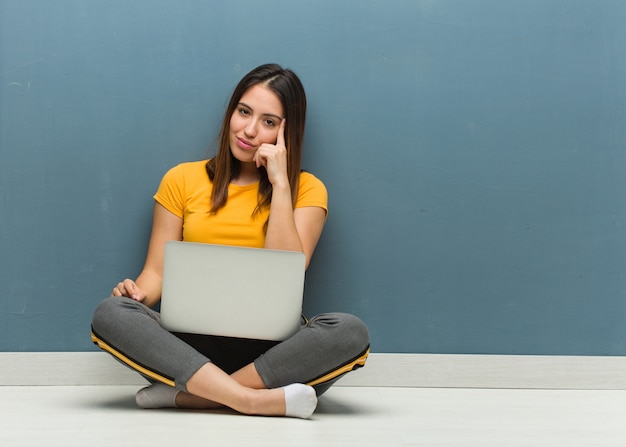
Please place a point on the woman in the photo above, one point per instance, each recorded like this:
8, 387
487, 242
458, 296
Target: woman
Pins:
252, 193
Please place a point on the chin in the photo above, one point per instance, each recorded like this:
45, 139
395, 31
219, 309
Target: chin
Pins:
242, 156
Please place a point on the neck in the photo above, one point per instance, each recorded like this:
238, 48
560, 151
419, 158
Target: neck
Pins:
248, 174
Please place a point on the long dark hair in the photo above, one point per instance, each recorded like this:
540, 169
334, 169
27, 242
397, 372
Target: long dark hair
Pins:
224, 167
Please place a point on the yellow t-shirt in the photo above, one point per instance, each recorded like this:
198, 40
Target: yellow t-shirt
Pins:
185, 190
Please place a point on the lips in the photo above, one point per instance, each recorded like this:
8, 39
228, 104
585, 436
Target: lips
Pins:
244, 144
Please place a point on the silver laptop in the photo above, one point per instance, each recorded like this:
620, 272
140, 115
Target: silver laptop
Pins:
232, 291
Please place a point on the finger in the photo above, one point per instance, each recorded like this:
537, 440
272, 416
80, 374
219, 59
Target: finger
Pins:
119, 289
280, 141
132, 291
123, 288
258, 159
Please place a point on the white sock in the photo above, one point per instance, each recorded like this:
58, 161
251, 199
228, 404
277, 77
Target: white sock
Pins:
157, 395
300, 400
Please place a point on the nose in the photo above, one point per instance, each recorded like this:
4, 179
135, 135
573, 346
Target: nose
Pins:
250, 129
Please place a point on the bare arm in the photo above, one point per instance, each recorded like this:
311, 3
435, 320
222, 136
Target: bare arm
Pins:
288, 229
147, 287
294, 230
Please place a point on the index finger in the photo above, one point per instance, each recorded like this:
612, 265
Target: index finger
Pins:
280, 140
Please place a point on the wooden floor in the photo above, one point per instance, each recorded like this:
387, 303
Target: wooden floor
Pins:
364, 416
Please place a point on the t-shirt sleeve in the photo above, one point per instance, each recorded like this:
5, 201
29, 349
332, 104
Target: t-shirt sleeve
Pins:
311, 192
171, 192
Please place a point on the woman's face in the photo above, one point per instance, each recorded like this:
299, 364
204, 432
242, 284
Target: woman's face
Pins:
255, 121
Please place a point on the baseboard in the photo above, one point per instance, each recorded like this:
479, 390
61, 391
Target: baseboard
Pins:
382, 370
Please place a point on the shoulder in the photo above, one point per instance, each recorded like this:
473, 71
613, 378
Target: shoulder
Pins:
184, 176
308, 180
180, 183
311, 191
186, 171
189, 167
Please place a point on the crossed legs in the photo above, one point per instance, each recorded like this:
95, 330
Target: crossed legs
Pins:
136, 333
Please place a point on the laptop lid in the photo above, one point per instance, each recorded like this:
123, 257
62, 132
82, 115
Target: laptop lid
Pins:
232, 291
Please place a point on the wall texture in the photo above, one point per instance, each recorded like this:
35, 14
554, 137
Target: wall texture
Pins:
475, 154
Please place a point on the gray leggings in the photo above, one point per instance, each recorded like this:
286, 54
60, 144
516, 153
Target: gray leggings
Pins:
325, 348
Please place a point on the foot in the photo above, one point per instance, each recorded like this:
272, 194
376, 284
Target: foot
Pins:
157, 395
300, 401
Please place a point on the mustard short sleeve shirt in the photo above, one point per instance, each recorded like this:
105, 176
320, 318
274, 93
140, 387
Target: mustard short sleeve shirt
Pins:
185, 191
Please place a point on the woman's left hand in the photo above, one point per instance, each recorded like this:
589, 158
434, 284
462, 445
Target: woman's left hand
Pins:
274, 158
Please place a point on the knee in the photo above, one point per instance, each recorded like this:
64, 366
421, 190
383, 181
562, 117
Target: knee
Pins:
357, 331
109, 313
103, 314
348, 331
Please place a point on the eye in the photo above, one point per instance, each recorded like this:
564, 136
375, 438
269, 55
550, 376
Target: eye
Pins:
270, 123
243, 111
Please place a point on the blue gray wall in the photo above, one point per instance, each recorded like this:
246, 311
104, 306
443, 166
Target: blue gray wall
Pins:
475, 154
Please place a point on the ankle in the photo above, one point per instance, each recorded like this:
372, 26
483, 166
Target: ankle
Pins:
265, 402
191, 402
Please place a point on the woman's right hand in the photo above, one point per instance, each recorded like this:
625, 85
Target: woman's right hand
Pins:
129, 289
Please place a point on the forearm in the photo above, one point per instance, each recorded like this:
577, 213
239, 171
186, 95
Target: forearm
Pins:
150, 283
282, 233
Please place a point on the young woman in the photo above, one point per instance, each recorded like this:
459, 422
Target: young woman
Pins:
252, 193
